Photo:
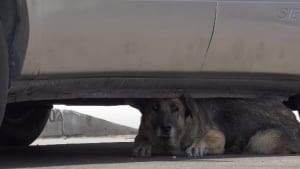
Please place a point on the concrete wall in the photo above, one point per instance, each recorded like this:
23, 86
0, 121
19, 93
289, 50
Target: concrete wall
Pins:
68, 123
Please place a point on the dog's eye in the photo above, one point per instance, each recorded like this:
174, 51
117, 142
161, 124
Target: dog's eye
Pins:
155, 107
174, 108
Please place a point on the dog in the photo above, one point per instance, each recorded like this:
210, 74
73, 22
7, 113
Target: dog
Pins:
175, 127
259, 126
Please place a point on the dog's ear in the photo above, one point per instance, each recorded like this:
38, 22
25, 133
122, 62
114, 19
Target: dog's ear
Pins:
137, 103
190, 105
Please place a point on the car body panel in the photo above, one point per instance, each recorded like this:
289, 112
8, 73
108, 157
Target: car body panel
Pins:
255, 37
107, 49
98, 37
74, 37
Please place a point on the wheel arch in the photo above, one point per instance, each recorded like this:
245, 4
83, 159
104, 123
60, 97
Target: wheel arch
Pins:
14, 17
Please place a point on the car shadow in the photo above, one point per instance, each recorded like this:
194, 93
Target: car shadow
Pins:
95, 153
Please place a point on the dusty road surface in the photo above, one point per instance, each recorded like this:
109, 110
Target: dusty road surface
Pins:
117, 155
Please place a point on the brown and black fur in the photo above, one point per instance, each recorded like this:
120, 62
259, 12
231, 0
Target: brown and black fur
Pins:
261, 126
175, 126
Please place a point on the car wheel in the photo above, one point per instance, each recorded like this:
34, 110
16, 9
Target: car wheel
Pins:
23, 123
3, 72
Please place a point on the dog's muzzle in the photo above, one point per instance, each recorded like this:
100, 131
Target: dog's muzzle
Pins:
165, 131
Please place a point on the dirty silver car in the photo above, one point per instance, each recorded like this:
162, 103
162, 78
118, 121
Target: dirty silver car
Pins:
104, 51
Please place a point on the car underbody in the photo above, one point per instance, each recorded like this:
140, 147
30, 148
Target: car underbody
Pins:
198, 86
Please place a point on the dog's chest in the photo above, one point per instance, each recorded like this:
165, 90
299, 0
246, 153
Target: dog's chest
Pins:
167, 146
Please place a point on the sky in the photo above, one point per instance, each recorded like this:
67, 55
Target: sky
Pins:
124, 115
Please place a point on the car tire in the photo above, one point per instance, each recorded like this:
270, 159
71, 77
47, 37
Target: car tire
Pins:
23, 123
3, 72
293, 102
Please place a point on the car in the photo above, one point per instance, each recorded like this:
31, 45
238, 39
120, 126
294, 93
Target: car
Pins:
102, 52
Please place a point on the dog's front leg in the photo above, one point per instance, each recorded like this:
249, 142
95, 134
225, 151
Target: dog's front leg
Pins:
197, 149
142, 146
213, 142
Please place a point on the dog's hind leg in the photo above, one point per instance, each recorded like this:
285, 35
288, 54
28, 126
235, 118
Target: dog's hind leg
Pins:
215, 141
271, 141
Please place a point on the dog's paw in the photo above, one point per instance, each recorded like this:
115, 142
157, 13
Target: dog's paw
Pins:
196, 150
142, 150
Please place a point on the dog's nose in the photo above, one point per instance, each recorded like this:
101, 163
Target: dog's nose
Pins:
165, 128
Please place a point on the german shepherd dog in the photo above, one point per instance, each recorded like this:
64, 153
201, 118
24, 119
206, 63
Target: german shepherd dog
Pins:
173, 125
207, 126
260, 126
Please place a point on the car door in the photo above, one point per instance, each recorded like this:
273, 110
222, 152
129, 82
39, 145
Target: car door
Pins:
252, 36
117, 37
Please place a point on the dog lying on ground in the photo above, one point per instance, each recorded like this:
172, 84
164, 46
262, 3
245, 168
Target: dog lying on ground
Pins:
173, 126
199, 127
260, 126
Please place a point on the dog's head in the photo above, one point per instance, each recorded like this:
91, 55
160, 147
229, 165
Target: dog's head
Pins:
166, 118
